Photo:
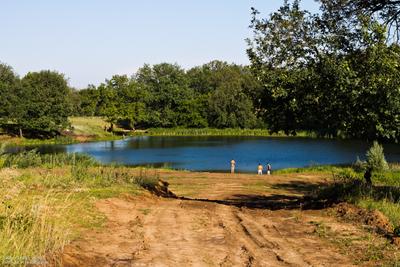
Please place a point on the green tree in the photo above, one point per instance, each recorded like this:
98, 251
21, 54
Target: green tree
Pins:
168, 90
281, 50
388, 11
43, 103
219, 83
230, 107
88, 101
8, 84
329, 73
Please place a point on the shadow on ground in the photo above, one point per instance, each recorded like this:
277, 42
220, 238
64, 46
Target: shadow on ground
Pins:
299, 196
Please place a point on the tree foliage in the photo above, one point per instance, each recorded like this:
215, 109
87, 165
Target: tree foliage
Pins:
327, 73
387, 11
47, 107
38, 104
216, 94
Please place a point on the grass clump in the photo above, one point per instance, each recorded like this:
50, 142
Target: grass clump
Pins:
325, 169
146, 180
32, 158
32, 226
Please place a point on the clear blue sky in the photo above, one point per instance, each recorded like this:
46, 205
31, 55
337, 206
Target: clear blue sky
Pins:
90, 40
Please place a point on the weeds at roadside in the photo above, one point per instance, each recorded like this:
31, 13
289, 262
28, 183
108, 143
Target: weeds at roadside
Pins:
145, 179
370, 248
47, 200
349, 186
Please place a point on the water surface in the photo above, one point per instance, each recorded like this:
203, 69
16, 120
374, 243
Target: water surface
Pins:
214, 153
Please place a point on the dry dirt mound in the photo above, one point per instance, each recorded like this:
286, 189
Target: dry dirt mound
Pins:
160, 189
374, 218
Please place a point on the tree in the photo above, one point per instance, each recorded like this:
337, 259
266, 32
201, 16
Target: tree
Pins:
168, 89
280, 52
231, 92
8, 83
88, 101
387, 11
43, 103
327, 73
230, 107
285, 40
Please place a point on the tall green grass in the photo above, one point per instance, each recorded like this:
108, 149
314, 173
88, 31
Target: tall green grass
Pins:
215, 132
48, 200
31, 228
34, 159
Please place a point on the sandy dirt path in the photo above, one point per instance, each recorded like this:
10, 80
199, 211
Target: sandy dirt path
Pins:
233, 225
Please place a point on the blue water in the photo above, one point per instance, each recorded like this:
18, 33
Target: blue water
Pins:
215, 153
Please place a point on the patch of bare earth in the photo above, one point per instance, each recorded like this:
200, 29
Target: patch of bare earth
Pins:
231, 225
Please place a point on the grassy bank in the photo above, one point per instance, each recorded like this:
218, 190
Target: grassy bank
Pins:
348, 185
214, 132
94, 128
47, 201
84, 129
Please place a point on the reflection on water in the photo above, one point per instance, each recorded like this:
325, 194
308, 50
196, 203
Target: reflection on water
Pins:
214, 153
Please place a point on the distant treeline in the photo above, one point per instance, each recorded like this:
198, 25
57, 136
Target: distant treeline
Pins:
217, 95
336, 73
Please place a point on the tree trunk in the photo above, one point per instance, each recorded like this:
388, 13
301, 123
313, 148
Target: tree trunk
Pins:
20, 133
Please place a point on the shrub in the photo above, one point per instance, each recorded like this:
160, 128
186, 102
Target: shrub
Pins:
359, 165
376, 159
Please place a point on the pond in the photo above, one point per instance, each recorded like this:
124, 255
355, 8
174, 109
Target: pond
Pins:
207, 153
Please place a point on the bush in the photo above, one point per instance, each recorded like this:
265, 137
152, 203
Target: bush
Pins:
360, 165
376, 159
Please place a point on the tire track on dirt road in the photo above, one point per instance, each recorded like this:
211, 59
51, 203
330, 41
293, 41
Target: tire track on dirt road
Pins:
169, 232
231, 225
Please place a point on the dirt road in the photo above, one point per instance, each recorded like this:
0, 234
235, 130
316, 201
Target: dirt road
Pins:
241, 220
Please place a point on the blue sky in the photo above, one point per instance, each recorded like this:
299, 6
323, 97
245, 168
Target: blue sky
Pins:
90, 40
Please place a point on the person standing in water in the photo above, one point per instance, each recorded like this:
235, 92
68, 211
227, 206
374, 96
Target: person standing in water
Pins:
260, 169
233, 164
269, 168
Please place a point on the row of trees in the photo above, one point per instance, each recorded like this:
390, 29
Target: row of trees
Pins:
216, 94
333, 73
